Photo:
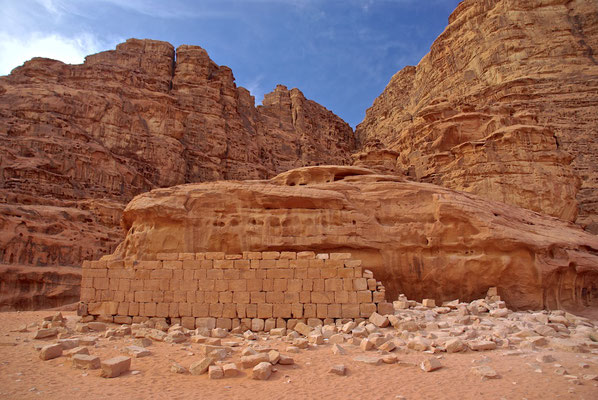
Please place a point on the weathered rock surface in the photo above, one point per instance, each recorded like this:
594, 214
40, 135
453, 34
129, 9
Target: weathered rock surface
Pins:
77, 142
418, 239
503, 106
29, 288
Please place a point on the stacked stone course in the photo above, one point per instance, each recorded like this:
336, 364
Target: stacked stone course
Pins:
215, 288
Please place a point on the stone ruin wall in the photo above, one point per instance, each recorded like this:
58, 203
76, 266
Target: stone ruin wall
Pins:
215, 289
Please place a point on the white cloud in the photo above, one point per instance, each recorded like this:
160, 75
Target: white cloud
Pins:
255, 88
14, 51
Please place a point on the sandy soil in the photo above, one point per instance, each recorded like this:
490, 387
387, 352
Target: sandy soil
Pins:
24, 376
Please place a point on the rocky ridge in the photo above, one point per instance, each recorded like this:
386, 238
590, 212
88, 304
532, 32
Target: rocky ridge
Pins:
79, 141
502, 106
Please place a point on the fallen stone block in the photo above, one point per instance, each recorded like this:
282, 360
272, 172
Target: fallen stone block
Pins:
115, 366
339, 369
370, 360
45, 333
68, 344
387, 346
418, 344
253, 360
481, 345
303, 329
230, 370
137, 352
338, 338
430, 364
177, 368
430, 303
285, 360
215, 372
87, 341
142, 342
366, 345
262, 371
273, 357
278, 332
85, 361
570, 345
50, 351
201, 366
76, 350
389, 359
97, 326
301, 343
379, 320
316, 338
545, 358
338, 350
485, 372
219, 333
454, 345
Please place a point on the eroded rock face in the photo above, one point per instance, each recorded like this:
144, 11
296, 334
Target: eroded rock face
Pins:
418, 239
503, 106
30, 288
77, 142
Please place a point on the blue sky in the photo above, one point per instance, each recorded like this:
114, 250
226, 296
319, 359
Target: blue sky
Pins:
340, 53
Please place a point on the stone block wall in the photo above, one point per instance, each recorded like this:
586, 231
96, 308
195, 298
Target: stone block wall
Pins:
225, 288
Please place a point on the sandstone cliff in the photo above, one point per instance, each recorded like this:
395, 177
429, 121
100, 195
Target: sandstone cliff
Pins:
503, 106
418, 239
77, 142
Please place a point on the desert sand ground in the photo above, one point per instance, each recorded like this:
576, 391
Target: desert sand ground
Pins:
24, 376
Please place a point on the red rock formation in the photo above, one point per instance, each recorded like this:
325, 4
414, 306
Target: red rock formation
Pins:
503, 102
418, 239
77, 142
31, 288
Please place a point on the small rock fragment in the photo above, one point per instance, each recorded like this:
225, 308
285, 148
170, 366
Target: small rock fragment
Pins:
430, 364
485, 372
177, 368
339, 369
337, 349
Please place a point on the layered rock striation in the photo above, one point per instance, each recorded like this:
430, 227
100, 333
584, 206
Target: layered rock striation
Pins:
419, 239
77, 142
504, 106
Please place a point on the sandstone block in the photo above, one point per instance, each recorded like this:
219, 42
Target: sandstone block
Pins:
215, 372
379, 320
370, 360
201, 366
85, 361
230, 370
255, 359
76, 350
115, 366
481, 345
262, 371
430, 303
430, 364
303, 329
337, 349
454, 345
484, 372
339, 369
50, 351
45, 333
